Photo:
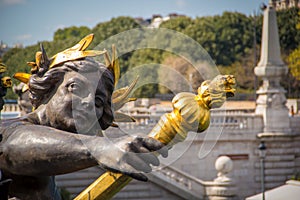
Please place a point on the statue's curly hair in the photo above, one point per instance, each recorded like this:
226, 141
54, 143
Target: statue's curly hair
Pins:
43, 86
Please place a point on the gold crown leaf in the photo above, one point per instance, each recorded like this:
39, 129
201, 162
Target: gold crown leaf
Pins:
76, 52
23, 77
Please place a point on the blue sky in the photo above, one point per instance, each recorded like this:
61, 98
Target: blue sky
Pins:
30, 21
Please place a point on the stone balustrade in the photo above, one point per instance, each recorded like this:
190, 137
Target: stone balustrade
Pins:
182, 178
230, 120
11, 108
223, 187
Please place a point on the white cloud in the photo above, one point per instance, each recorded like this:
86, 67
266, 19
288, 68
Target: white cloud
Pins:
12, 2
23, 37
181, 3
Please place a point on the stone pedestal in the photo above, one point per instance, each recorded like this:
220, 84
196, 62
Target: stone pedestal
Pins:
271, 105
220, 191
223, 187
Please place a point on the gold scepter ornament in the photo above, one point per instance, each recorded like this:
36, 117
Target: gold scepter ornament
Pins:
191, 112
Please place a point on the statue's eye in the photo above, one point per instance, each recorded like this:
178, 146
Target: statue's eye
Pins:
73, 87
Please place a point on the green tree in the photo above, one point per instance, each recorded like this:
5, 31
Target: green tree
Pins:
203, 31
115, 26
294, 63
71, 32
138, 64
185, 70
287, 26
243, 70
177, 24
226, 38
290, 40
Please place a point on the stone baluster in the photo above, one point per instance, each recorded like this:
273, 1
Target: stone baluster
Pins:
223, 187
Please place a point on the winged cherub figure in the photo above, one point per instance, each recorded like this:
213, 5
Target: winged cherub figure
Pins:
72, 99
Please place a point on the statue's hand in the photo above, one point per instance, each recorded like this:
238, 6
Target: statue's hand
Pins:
133, 155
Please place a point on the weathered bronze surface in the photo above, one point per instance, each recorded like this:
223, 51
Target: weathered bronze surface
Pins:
45, 143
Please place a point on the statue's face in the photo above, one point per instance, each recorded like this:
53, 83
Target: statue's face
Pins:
78, 103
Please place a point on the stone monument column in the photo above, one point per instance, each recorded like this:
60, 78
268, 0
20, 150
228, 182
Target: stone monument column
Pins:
282, 142
271, 96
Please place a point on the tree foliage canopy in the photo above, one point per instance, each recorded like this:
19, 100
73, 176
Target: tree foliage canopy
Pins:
71, 32
229, 39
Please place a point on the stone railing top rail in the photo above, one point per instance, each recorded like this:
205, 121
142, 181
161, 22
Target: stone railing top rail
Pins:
190, 187
179, 176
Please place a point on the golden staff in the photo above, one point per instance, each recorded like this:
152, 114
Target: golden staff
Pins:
190, 113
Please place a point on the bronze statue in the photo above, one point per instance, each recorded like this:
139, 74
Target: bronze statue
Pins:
44, 143
72, 96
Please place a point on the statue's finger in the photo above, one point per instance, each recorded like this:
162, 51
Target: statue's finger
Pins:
163, 151
137, 163
136, 146
152, 144
155, 145
146, 145
148, 158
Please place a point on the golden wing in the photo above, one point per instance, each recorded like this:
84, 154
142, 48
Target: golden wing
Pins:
113, 64
120, 96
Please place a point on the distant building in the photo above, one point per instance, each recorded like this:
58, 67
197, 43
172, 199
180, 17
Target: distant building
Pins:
285, 4
18, 45
156, 20
3, 48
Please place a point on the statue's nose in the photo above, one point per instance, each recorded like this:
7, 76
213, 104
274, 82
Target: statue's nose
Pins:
88, 102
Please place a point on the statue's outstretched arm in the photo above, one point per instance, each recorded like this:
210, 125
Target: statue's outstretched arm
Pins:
39, 150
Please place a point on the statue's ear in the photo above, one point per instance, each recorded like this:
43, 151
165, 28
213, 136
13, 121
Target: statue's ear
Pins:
113, 64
